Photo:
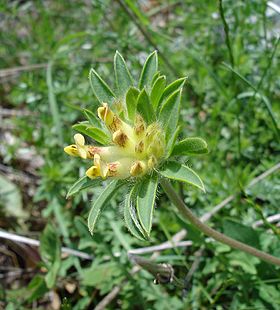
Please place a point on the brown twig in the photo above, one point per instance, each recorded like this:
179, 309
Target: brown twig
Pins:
15, 70
33, 242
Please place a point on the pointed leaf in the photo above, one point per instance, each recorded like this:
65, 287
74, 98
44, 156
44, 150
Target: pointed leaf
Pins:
101, 202
171, 88
149, 69
123, 77
144, 107
130, 217
176, 171
169, 113
172, 140
190, 146
155, 77
131, 102
95, 133
100, 89
83, 183
146, 197
157, 91
92, 118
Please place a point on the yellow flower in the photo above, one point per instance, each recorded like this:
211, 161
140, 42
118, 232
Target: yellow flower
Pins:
79, 148
136, 149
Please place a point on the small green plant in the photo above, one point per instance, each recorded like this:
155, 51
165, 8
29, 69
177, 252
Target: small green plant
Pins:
139, 127
136, 134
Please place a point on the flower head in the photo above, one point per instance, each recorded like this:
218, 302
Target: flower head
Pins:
137, 135
134, 150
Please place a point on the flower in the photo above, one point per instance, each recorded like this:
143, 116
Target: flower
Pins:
135, 150
137, 131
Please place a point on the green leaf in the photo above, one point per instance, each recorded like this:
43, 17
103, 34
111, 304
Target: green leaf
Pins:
157, 91
144, 107
100, 89
98, 274
171, 88
172, 140
11, 200
92, 118
95, 133
145, 201
131, 102
241, 233
101, 202
155, 77
83, 183
36, 288
169, 113
176, 171
149, 69
50, 277
130, 218
50, 251
190, 146
123, 77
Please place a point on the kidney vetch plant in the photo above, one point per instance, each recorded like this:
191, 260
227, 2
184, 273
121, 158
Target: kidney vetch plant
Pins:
135, 145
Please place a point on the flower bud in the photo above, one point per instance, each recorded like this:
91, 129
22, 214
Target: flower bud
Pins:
138, 168
120, 138
152, 162
140, 125
120, 169
105, 114
139, 148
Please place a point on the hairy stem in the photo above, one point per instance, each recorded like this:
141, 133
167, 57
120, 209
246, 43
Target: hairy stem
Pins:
186, 212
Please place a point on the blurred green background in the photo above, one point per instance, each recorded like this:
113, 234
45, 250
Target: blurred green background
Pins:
229, 52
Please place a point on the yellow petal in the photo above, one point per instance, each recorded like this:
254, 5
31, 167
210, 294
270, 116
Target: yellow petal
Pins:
92, 172
71, 150
82, 153
79, 139
101, 166
106, 114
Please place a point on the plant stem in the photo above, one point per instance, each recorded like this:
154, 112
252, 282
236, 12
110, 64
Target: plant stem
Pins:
226, 30
148, 37
187, 213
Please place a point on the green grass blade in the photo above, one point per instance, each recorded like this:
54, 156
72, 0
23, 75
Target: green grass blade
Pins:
53, 103
263, 98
